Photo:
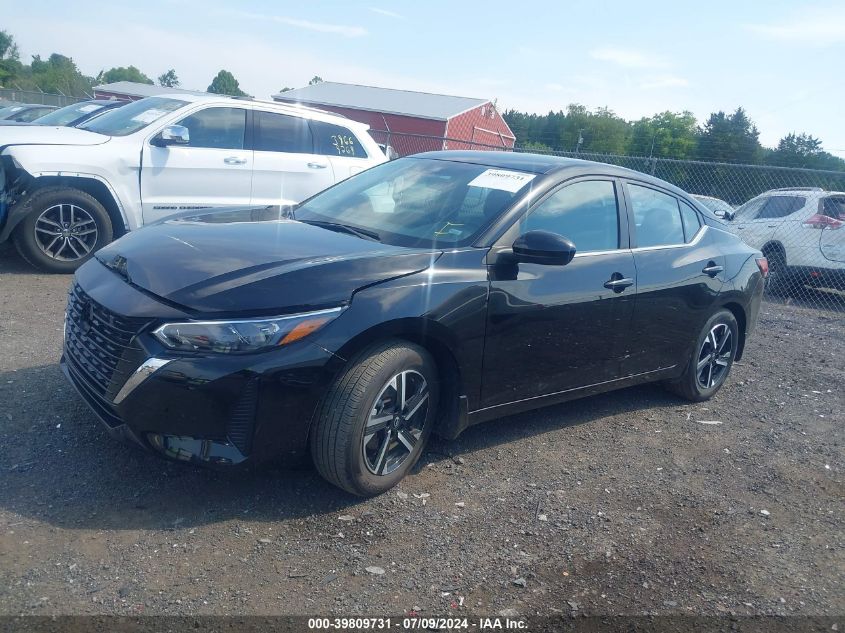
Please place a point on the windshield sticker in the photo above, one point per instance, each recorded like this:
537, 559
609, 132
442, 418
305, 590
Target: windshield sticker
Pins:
502, 180
148, 116
89, 108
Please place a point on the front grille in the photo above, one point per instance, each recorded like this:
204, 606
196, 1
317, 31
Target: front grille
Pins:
99, 344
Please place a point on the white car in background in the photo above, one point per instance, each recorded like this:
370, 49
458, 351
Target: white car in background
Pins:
801, 231
719, 207
66, 192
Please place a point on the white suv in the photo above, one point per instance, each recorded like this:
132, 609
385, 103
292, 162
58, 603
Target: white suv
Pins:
800, 231
66, 192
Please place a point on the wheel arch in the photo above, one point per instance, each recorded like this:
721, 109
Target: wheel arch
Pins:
96, 188
438, 341
774, 246
741, 321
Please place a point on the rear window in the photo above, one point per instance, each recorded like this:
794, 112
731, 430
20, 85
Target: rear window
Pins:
282, 133
834, 207
336, 140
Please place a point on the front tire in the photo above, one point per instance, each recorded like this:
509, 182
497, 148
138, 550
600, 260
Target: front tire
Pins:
63, 230
373, 423
711, 360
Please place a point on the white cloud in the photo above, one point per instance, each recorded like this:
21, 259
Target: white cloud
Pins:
553, 87
628, 58
321, 27
664, 81
390, 14
818, 28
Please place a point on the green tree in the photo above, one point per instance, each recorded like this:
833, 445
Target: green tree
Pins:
55, 74
169, 79
664, 135
10, 65
731, 138
120, 73
803, 150
224, 83
285, 89
315, 80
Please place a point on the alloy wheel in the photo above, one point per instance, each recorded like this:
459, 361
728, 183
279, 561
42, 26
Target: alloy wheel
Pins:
714, 357
66, 232
396, 422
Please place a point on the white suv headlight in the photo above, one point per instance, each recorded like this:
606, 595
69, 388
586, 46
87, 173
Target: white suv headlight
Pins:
249, 335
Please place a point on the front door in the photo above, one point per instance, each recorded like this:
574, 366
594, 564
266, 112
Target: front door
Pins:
680, 271
212, 170
556, 328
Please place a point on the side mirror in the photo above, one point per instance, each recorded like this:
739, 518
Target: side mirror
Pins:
543, 247
173, 135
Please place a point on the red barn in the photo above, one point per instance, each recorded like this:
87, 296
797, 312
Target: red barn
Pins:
411, 121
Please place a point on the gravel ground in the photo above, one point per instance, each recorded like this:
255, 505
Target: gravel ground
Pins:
628, 503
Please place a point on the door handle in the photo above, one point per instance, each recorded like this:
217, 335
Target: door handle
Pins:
234, 160
712, 269
317, 165
618, 283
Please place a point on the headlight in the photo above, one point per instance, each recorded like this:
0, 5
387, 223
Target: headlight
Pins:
250, 335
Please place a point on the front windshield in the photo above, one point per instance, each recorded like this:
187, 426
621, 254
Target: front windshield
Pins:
135, 116
419, 202
68, 114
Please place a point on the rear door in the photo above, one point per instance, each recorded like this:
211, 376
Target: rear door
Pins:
287, 170
213, 170
342, 147
680, 271
557, 328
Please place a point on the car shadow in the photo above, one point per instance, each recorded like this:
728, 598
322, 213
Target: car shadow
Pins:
11, 263
60, 466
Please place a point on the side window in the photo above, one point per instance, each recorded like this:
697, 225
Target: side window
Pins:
780, 207
834, 208
336, 140
656, 216
691, 221
282, 133
216, 128
586, 212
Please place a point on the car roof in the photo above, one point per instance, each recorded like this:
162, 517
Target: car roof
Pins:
275, 106
542, 164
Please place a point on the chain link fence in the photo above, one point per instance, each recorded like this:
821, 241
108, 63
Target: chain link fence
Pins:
796, 217
36, 96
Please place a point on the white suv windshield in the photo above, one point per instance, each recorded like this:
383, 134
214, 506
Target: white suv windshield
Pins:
133, 117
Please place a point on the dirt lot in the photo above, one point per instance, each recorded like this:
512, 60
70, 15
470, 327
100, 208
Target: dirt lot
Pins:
633, 502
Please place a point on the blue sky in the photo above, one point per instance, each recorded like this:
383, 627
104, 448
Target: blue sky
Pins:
780, 60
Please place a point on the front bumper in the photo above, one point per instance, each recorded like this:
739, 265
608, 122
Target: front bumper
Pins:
212, 409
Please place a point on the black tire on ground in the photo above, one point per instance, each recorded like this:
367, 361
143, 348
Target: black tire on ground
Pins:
72, 256
337, 434
689, 385
779, 282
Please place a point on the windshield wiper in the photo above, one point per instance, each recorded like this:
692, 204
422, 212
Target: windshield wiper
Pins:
345, 228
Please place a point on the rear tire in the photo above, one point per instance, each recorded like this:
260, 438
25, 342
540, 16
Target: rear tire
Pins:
711, 360
779, 282
63, 229
363, 439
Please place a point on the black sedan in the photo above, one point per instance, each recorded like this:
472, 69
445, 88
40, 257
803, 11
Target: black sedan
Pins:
424, 295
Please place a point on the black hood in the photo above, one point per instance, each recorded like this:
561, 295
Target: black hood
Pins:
255, 267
